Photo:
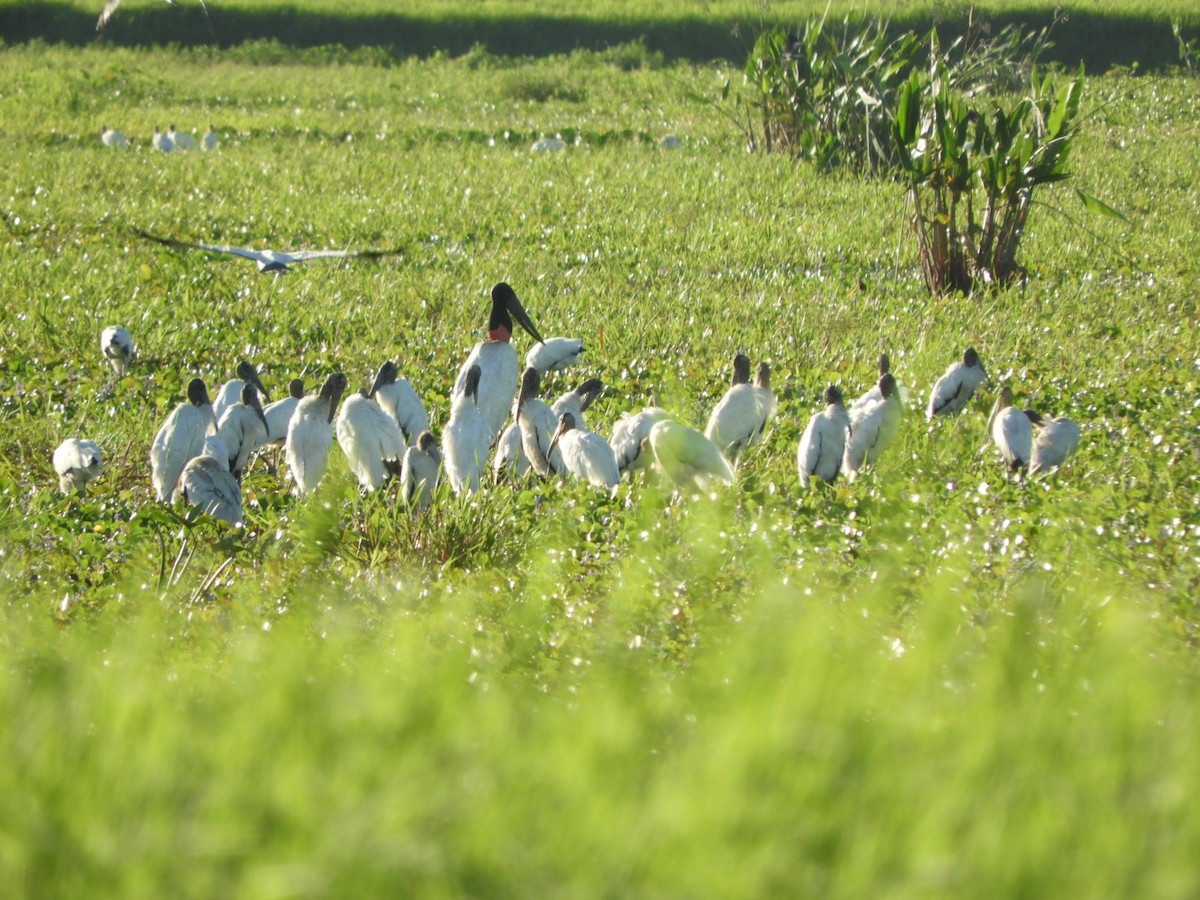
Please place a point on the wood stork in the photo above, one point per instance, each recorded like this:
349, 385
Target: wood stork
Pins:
823, 443
549, 145
231, 391
737, 416
873, 427
110, 9
371, 440
279, 413
957, 386
768, 405
1011, 431
162, 141
110, 137
509, 460
310, 434
586, 456
116, 344
211, 140
398, 399
1056, 441
537, 423
206, 483
421, 470
181, 139
274, 262
76, 463
496, 360
180, 439
578, 401
243, 428
467, 438
555, 354
630, 434
872, 395
686, 456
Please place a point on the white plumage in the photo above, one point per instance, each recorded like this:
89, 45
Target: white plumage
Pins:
371, 440
242, 428
823, 443
630, 434
76, 463
737, 416
116, 344
872, 395
180, 439
207, 484
310, 434
181, 139
554, 354
509, 460
768, 405
231, 391
467, 438
279, 413
398, 399
496, 360
873, 426
577, 402
957, 386
210, 141
1056, 441
586, 456
686, 456
537, 423
421, 471
274, 262
110, 137
1011, 431
161, 141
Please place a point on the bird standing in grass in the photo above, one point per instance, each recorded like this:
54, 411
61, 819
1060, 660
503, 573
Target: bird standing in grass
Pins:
630, 434
181, 139
1056, 441
421, 471
555, 354
116, 344
737, 416
180, 439
1011, 431
76, 463
823, 443
371, 440
537, 423
242, 428
687, 457
111, 138
398, 399
768, 405
873, 426
577, 402
957, 386
310, 434
586, 456
467, 438
279, 413
206, 483
872, 395
497, 362
231, 391
161, 141
210, 141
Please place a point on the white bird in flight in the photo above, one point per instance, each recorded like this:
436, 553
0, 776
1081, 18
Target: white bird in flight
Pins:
110, 9
268, 261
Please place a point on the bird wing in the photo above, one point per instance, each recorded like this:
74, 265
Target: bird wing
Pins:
302, 255
107, 13
243, 252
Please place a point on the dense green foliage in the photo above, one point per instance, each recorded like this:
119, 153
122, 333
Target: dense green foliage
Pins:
935, 681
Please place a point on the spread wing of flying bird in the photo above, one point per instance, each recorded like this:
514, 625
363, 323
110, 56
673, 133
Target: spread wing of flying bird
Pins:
110, 9
274, 261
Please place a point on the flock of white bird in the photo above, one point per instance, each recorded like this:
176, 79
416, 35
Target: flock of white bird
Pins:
165, 141
201, 451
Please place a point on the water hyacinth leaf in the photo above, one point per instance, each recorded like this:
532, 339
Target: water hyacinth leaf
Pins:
1093, 204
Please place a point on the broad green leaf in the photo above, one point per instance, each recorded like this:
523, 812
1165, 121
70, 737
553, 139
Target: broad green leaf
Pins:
1099, 206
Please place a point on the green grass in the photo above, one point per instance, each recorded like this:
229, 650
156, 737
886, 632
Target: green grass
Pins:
934, 682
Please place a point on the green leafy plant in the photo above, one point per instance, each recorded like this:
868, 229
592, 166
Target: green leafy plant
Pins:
1189, 51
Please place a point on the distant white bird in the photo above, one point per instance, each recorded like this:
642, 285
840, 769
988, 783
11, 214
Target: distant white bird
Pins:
537, 423
873, 427
310, 434
737, 416
1056, 441
823, 443
467, 437
578, 401
957, 386
76, 463
670, 142
211, 140
243, 428
549, 145
768, 405
586, 456
180, 439
279, 413
398, 399
161, 141
496, 360
1011, 431
687, 457
371, 440
509, 460
231, 391
207, 484
555, 354
110, 137
630, 434
181, 139
872, 395
111, 7
117, 346
269, 261
421, 471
